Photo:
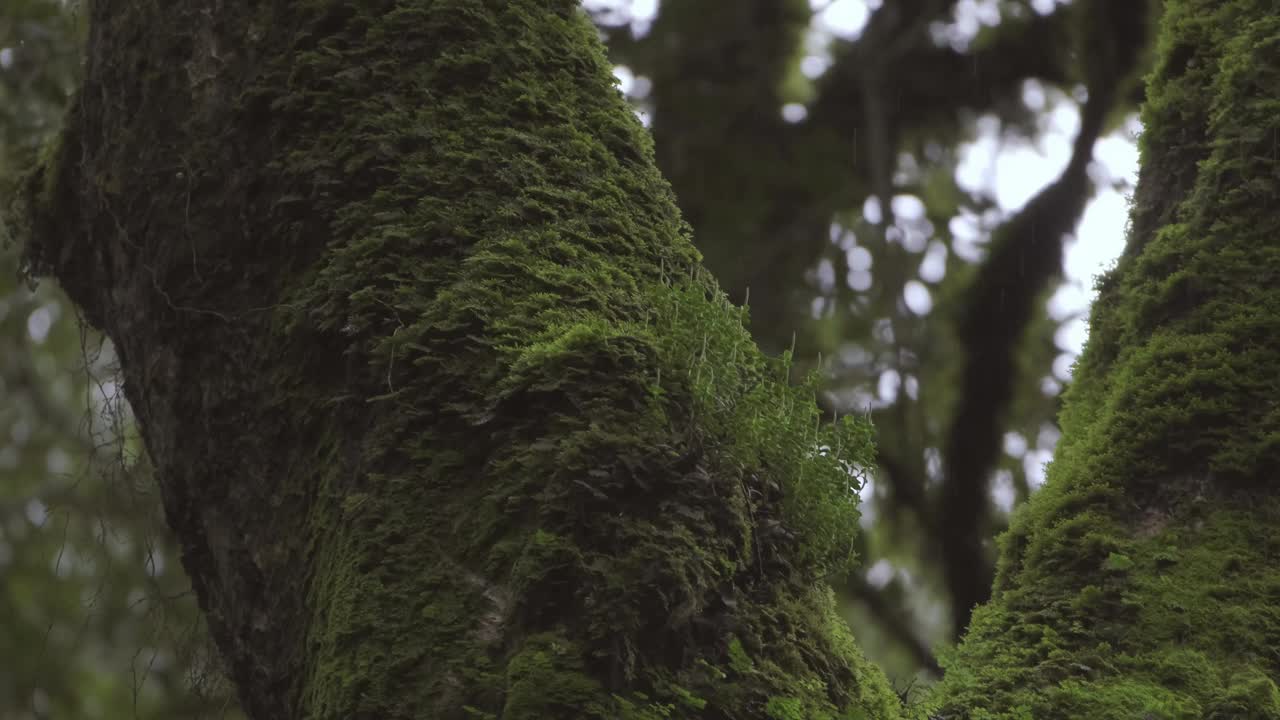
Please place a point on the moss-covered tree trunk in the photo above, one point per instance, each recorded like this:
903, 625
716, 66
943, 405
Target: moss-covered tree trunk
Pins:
1143, 580
446, 418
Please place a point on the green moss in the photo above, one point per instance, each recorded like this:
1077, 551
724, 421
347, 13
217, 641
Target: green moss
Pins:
1139, 581
545, 679
739, 660
1251, 694
786, 708
576, 466
1118, 562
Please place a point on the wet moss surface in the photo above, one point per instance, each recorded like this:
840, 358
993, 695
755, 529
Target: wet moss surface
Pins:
1142, 580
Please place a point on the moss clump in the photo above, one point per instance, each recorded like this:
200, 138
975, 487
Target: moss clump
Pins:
739, 660
545, 678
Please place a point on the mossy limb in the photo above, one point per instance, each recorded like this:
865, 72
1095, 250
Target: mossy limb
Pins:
1140, 581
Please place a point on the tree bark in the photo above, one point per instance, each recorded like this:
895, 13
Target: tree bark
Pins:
447, 420
1141, 581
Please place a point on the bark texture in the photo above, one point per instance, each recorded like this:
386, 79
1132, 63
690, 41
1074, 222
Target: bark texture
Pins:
1142, 581
446, 418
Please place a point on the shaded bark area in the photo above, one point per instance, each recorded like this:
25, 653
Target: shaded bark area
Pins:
1141, 580
446, 418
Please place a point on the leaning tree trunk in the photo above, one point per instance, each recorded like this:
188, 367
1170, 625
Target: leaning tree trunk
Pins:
445, 417
1142, 581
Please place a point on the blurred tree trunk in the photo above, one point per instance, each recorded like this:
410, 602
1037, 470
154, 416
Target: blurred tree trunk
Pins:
446, 418
1142, 580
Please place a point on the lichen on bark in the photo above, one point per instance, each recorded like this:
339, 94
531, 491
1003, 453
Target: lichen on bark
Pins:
445, 415
1140, 582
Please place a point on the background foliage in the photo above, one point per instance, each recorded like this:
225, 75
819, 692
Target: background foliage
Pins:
819, 169
96, 615
819, 172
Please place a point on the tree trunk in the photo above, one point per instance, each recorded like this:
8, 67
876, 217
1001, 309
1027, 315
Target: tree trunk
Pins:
446, 419
1142, 580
